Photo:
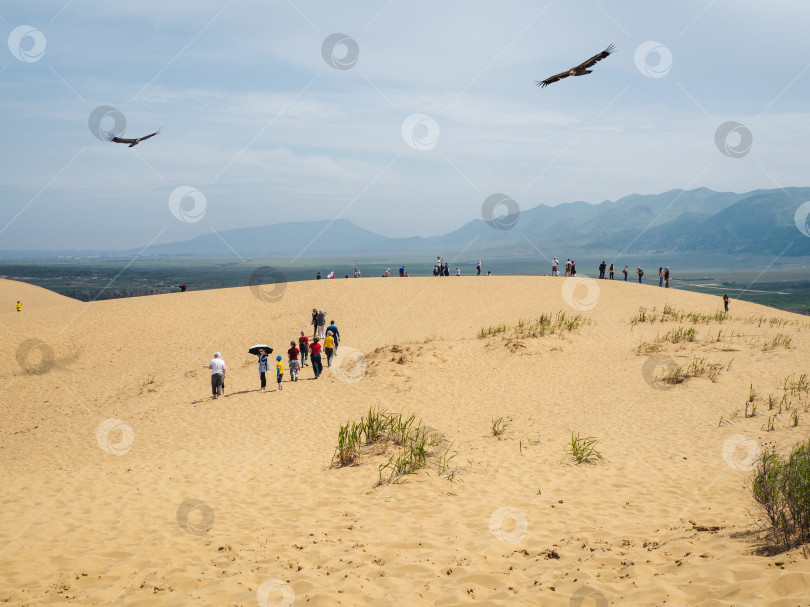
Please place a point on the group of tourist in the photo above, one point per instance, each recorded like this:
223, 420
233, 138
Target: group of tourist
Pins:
306, 350
609, 272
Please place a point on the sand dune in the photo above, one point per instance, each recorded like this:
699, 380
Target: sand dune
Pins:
125, 484
31, 296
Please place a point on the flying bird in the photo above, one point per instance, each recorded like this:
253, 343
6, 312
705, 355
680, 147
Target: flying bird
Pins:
132, 142
579, 70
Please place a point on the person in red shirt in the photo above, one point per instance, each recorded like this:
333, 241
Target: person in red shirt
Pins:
315, 356
303, 348
292, 356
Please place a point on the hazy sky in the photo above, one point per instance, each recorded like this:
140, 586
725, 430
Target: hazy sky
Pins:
403, 124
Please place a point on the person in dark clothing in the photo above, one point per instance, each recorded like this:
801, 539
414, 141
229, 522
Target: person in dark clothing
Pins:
602, 267
611, 271
725, 301
315, 357
263, 366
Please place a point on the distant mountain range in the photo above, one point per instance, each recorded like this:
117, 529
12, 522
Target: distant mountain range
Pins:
759, 222
679, 221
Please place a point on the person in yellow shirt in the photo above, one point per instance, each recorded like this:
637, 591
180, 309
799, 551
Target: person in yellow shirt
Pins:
19, 306
279, 371
329, 347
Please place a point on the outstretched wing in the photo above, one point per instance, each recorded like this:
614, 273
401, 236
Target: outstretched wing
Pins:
115, 139
157, 132
596, 58
555, 78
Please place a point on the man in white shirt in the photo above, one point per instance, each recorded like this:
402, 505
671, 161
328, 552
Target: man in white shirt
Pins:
218, 370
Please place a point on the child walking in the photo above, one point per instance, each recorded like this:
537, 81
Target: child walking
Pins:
279, 371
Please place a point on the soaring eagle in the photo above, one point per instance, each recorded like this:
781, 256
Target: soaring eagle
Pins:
132, 142
579, 70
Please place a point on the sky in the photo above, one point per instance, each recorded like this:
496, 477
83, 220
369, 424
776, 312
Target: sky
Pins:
401, 116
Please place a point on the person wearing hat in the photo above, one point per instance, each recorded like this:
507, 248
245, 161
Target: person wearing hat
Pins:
279, 371
218, 370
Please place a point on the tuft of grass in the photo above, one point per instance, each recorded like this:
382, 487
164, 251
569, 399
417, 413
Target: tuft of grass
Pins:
678, 335
697, 368
794, 418
348, 448
583, 450
545, 324
380, 428
644, 316
781, 339
770, 425
499, 426
670, 314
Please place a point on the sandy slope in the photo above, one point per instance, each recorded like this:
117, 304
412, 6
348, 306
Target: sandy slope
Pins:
31, 296
92, 510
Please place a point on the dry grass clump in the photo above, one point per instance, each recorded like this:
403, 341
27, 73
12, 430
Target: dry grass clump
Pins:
770, 321
670, 314
795, 397
780, 339
416, 445
697, 368
781, 488
545, 324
